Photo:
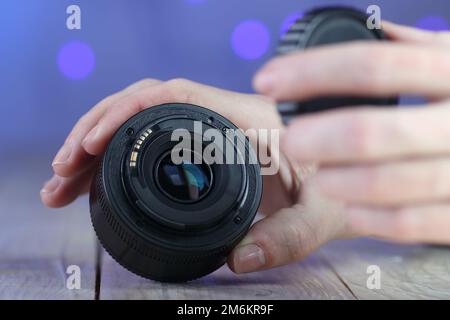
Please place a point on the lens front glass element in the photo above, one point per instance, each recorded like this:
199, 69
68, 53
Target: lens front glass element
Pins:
185, 182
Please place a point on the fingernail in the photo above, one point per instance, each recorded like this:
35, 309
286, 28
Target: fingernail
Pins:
63, 154
91, 137
248, 258
264, 82
51, 185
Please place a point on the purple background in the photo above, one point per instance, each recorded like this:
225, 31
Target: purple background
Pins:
50, 76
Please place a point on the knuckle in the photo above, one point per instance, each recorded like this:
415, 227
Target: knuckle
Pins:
178, 83
404, 225
298, 238
147, 81
361, 134
262, 99
442, 37
373, 181
290, 244
83, 122
141, 84
131, 102
294, 242
109, 100
180, 90
373, 63
84, 119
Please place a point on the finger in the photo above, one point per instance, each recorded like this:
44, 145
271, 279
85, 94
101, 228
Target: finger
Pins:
357, 69
60, 191
398, 32
388, 185
177, 91
72, 158
424, 224
284, 237
356, 135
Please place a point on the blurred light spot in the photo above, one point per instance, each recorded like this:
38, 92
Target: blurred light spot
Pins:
76, 60
433, 23
250, 39
289, 21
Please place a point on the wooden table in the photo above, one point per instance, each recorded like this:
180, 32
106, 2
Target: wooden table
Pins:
38, 244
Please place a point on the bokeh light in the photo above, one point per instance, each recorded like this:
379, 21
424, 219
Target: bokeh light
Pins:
433, 23
76, 60
250, 39
289, 21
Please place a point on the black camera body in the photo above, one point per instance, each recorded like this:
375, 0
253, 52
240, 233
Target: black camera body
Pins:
167, 221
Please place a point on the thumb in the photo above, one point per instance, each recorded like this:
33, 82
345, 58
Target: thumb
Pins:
283, 237
287, 236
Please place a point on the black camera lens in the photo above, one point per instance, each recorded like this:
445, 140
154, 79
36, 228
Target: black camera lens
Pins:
184, 182
161, 206
326, 26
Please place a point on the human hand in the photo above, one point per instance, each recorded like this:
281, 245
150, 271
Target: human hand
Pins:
76, 162
390, 168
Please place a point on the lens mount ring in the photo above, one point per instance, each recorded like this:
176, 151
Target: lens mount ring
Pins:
152, 234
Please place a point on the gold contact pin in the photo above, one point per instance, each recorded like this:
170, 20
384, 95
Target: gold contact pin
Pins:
134, 156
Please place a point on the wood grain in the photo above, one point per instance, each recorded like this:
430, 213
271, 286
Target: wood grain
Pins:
407, 271
310, 279
37, 244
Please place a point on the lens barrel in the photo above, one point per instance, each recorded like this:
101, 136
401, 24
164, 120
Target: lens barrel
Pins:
326, 26
175, 221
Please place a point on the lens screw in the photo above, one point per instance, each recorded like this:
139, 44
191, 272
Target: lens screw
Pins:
237, 219
225, 129
210, 120
130, 131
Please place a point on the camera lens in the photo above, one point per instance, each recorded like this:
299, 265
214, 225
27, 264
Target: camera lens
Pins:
184, 182
166, 202
326, 26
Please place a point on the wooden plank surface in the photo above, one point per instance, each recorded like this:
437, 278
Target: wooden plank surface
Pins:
37, 244
337, 271
311, 279
407, 271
